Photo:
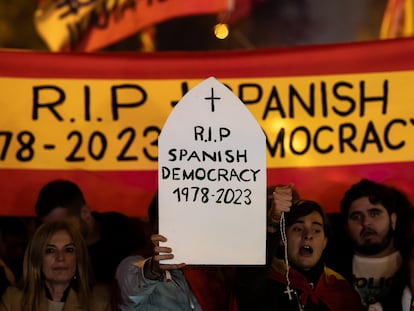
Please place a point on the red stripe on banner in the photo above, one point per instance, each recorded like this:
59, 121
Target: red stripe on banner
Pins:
376, 56
327, 185
131, 192
127, 192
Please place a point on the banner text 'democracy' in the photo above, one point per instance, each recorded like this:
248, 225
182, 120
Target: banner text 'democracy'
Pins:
114, 124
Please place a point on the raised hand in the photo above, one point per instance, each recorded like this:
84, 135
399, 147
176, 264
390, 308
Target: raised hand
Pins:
153, 268
282, 201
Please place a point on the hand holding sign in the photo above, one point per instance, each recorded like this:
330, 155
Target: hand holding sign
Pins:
153, 269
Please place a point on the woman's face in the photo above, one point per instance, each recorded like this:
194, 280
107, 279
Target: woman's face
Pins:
59, 260
306, 241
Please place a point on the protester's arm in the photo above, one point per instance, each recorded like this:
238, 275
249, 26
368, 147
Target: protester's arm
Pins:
134, 288
137, 277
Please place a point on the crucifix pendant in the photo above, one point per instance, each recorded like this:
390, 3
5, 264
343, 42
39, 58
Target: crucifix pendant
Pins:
289, 292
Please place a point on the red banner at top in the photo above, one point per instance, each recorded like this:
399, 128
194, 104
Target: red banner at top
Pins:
91, 25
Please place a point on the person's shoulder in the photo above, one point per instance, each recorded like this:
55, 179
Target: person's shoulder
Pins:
101, 290
130, 261
100, 298
130, 269
13, 290
332, 272
12, 296
336, 279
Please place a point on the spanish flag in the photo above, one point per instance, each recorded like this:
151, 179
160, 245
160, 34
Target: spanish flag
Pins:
90, 25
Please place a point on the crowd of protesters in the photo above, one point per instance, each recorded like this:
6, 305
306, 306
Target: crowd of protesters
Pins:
78, 259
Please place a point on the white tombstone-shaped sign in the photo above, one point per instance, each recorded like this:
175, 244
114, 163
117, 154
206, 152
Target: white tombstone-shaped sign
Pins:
212, 180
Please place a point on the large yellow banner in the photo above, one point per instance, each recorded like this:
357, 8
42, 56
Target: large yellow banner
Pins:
114, 124
332, 115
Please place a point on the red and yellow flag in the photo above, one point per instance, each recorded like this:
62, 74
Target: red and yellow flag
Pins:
398, 20
89, 25
331, 114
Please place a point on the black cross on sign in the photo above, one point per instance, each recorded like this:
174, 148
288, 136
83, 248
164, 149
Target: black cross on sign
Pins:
212, 98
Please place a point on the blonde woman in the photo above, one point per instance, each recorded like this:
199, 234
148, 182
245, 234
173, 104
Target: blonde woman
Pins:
56, 275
